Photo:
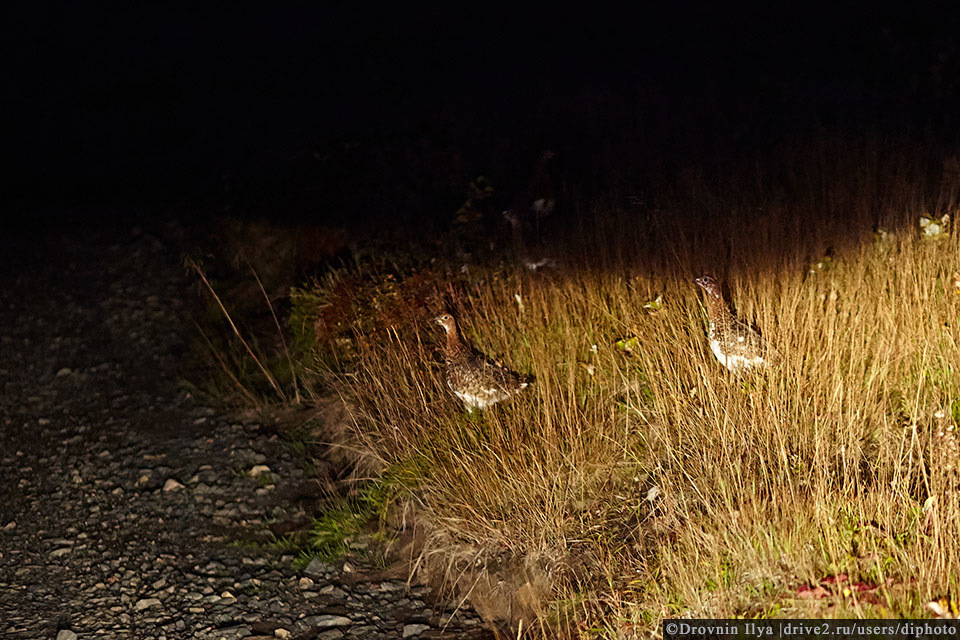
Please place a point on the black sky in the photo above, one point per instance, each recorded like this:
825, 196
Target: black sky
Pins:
154, 102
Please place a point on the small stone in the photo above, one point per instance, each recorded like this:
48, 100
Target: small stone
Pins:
227, 595
172, 485
10, 525
315, 568
66, 634
305, 583
282, 633
332, 621
43, 421
57, 553
347, 567
411, 630
146, 603
259, 469
234, 632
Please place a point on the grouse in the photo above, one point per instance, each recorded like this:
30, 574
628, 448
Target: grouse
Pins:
736, 344
536, 202
478, 381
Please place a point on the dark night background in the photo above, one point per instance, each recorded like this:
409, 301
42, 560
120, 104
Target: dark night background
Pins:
376, 113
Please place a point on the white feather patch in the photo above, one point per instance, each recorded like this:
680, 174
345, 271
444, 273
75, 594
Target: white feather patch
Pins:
482, 400
735, 363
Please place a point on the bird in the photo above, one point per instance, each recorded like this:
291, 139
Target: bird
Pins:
735, 343
475, 379
533, 204
541, 191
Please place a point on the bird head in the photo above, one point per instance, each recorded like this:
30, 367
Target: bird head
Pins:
709, 284
446, 321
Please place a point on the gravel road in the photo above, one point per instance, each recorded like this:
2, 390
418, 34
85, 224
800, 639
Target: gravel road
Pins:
124, 496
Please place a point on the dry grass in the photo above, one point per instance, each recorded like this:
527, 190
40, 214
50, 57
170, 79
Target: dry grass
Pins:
650, 483
232, 356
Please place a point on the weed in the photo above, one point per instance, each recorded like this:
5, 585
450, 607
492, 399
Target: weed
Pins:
283, 544
238, 358
829, 464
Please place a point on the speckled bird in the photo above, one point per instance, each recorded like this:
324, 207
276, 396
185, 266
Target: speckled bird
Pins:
477, 380
736, 344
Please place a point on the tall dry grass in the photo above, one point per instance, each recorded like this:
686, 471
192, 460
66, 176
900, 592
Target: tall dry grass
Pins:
639, 477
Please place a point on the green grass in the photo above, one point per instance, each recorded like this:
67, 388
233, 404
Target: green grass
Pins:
328, 537
341, 523
283, 544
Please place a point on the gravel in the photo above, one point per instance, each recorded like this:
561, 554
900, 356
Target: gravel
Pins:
125, 496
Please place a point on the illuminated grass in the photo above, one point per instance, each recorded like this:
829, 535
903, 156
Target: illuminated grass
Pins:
646, 480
